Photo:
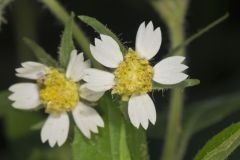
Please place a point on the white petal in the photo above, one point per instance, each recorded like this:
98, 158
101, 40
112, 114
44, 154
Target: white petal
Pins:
25, 95
31, 70
98, 80
148, 40
106, 51
141, 109
169, 70
76, 66
87, 119
55, 129
89, 94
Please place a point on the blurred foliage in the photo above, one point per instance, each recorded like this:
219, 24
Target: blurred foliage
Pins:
173, 13
17, 122
206, 113
3, 5
63, 153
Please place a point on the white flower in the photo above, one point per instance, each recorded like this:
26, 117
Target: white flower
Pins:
133, 75
59, 93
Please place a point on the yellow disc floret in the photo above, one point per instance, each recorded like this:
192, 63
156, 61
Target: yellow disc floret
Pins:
133, 76
57, 93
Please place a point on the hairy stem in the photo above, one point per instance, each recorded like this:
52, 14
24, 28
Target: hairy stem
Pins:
176, 103
174, 125
199, 33
185, 136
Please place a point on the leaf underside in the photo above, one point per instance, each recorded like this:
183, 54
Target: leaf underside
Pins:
221, 145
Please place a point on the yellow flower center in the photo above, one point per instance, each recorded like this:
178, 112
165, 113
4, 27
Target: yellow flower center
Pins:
133, 76
57, 93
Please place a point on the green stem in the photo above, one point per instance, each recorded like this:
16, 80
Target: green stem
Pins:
173, 13
200, 33
61, 14
177, 37
174, 124
185, 136
184, 139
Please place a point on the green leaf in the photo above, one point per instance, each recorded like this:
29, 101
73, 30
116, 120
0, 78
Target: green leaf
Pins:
184, 84
221, 145
137, 143
101, 29
114, 141
16, 118
59, 153
3, 5
67, 44
40, 53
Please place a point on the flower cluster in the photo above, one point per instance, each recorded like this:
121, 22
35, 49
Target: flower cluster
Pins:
128, 75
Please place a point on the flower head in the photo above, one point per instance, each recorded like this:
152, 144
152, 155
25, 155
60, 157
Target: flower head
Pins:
59, 92
133, 74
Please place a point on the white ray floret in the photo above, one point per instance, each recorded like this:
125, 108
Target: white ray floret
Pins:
169, 70
31, 70
148, 40
25, 96
141, 110
55, 129
76, 66
89, 95
107, 51
98, 80
87, 119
